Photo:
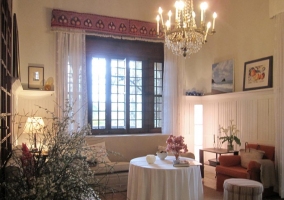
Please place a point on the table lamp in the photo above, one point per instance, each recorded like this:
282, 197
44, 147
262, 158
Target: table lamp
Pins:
34, 126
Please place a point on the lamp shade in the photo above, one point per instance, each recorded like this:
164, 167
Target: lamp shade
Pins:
34, 126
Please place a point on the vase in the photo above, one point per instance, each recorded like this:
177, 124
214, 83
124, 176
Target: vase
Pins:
230, 147
177, 156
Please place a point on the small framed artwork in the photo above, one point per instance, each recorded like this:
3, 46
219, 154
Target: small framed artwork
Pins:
35, 77
258, 74
223, 77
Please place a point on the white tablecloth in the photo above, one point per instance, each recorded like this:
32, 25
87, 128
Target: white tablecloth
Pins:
163, 181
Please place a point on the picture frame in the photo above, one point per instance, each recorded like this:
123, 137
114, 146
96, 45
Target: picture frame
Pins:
35, 77
223, 77
258, 74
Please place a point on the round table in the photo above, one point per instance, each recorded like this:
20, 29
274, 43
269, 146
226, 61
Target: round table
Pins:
163, 181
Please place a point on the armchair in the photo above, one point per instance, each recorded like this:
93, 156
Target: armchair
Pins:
230, 167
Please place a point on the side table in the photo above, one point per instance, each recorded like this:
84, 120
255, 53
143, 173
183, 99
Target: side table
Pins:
213, 162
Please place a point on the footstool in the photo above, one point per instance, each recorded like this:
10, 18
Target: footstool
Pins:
242, 189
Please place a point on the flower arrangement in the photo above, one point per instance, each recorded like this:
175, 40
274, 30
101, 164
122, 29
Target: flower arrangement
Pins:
64, 174
230, 134
175, 144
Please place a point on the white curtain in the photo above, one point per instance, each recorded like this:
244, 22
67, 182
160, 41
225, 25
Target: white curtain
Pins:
279, 97
71, 74
173, 93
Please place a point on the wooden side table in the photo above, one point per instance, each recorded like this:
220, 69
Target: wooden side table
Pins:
212, 162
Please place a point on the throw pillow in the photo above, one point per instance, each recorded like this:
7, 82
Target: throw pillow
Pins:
96, 153
249, 155
162, 148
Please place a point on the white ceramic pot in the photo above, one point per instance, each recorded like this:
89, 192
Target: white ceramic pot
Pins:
150, 159
162, 156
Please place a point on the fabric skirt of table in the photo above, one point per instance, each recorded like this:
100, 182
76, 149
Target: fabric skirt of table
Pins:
184, 183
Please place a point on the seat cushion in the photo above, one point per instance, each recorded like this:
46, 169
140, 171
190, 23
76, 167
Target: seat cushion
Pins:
234, 171
111, 167
96, 153
243, 186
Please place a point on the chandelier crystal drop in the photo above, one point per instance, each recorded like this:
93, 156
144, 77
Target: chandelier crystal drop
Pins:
184, 37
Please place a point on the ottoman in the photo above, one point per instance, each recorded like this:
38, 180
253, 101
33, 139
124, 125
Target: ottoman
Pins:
242, 189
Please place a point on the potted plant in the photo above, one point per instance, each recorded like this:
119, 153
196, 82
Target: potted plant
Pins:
230, 136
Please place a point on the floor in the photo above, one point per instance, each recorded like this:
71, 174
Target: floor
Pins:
209, 183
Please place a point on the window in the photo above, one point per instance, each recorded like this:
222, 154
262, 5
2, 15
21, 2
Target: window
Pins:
125, 82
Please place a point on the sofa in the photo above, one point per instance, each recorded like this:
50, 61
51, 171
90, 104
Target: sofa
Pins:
121, 149
232, 166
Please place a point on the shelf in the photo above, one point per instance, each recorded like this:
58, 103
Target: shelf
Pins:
35, 93
17, 89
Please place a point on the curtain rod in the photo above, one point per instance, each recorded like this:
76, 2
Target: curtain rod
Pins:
63, 30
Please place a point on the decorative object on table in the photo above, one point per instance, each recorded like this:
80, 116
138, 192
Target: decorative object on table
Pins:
230, 136
223, 77
217, 143
194, 93
35, 77
34, 126
181, 163
150, 159
176, 145
258, 74
182, 35
162, 154
48, 86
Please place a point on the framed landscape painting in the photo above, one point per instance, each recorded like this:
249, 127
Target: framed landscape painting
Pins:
223, 77
258, 74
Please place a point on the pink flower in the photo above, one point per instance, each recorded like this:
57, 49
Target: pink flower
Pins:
175, 144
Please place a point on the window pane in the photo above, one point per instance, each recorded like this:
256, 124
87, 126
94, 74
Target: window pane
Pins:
114, 115
158, 91
135, 90
98, 92
118, 88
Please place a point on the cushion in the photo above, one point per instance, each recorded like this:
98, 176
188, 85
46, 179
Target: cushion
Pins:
111, 167
162, 148
96, 153
249, 155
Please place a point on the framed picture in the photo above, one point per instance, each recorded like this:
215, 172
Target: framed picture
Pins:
258, 74
223, 77
35, 77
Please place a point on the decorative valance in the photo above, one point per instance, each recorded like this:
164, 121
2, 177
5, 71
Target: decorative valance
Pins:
105, 25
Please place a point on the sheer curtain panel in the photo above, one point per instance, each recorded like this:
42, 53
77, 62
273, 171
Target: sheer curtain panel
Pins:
279, 97
71, 74
173, 94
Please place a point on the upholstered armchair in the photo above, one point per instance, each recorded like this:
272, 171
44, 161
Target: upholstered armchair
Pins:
231, 166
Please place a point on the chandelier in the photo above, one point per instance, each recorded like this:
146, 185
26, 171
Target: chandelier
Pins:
184, 37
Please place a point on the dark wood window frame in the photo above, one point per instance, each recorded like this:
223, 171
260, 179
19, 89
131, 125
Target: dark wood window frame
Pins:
149, 53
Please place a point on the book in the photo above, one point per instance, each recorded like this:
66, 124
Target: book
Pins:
181, 163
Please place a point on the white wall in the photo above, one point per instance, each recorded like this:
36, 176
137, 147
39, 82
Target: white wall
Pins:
244, 32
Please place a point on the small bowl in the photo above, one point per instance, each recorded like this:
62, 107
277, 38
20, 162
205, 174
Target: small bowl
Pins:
162, 156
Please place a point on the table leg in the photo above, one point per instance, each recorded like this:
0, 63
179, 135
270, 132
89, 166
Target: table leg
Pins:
201, 160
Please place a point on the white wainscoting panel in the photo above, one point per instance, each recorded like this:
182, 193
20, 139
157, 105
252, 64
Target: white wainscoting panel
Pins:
252, 112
